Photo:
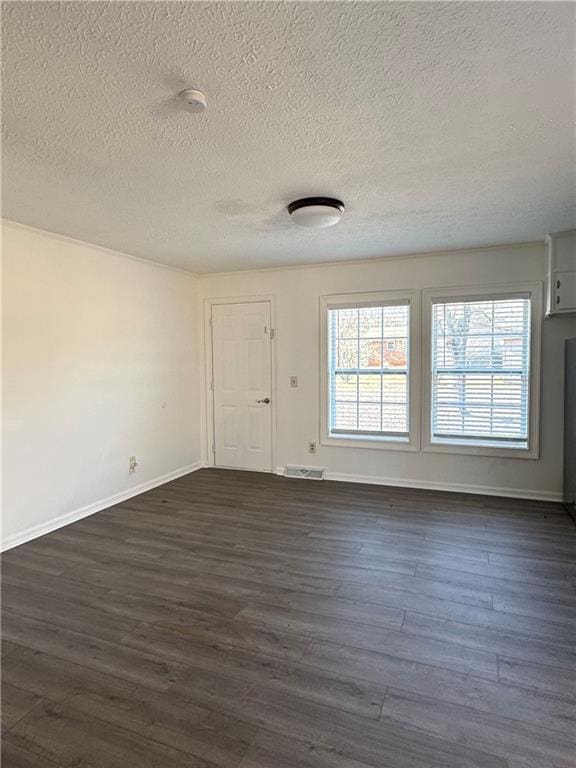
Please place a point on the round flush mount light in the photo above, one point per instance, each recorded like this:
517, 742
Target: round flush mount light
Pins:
316, 212
194, 99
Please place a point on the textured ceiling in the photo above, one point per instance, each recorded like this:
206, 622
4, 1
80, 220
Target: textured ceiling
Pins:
441, 125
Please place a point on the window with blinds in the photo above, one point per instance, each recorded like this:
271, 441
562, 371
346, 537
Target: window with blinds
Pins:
481, 370
368, 370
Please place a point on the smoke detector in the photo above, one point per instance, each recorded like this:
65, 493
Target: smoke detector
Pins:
194, 99
316, 212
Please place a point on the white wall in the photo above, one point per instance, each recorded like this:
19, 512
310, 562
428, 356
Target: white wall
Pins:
100, 362
297, 292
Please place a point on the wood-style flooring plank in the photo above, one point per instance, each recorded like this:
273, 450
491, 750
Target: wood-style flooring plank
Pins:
241, 620
16, 704
59, 586
483, 730
415, 594
99, 655
540, 609
452, 687
164, 716
15, 757
396, 643
270, 749
557, 651
335, 690
63, 734
354, 737
558, 591
172, 720
552, 681
66, 613
328, 605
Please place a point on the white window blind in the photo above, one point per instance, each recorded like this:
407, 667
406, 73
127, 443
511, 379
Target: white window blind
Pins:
481, 370
368, 370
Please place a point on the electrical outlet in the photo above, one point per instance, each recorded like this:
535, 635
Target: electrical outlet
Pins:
312, 446
293, 381
132, 465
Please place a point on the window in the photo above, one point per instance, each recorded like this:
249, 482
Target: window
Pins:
368, 360
480, 350
482, 380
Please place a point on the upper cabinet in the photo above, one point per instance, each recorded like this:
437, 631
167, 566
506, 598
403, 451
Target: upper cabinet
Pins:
561, 288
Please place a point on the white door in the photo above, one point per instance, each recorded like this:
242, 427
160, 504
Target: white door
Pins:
242, 381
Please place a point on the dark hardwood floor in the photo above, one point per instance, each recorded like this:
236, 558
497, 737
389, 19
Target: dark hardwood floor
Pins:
233, 619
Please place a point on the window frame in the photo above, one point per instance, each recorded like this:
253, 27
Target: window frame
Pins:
378, 442
468, 446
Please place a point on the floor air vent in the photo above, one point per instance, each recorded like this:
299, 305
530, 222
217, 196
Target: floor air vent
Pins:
309, 473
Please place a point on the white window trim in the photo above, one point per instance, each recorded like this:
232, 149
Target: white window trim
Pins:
390, 443
490, 291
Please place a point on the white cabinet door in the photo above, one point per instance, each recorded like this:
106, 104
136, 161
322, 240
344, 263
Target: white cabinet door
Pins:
242, 380
561, 298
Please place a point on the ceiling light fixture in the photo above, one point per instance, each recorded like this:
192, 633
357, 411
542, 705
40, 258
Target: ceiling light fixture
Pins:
316, 212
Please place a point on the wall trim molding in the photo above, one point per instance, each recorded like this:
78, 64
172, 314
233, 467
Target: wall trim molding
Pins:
78, 514
96, 246
430, 485
71, 517
376, 259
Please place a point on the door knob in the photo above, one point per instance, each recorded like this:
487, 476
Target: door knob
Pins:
265, 400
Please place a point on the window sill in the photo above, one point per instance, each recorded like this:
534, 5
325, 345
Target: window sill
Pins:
500, 450
365, 441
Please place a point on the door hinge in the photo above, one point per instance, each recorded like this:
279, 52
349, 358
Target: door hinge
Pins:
213, 448
272, 333
211, 386
210, 322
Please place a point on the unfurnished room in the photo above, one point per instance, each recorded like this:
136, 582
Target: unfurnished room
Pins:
288, 384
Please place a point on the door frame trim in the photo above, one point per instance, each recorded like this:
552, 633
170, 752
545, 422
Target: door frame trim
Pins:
209, 431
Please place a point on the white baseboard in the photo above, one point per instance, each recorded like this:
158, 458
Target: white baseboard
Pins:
70, 517
431, 485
